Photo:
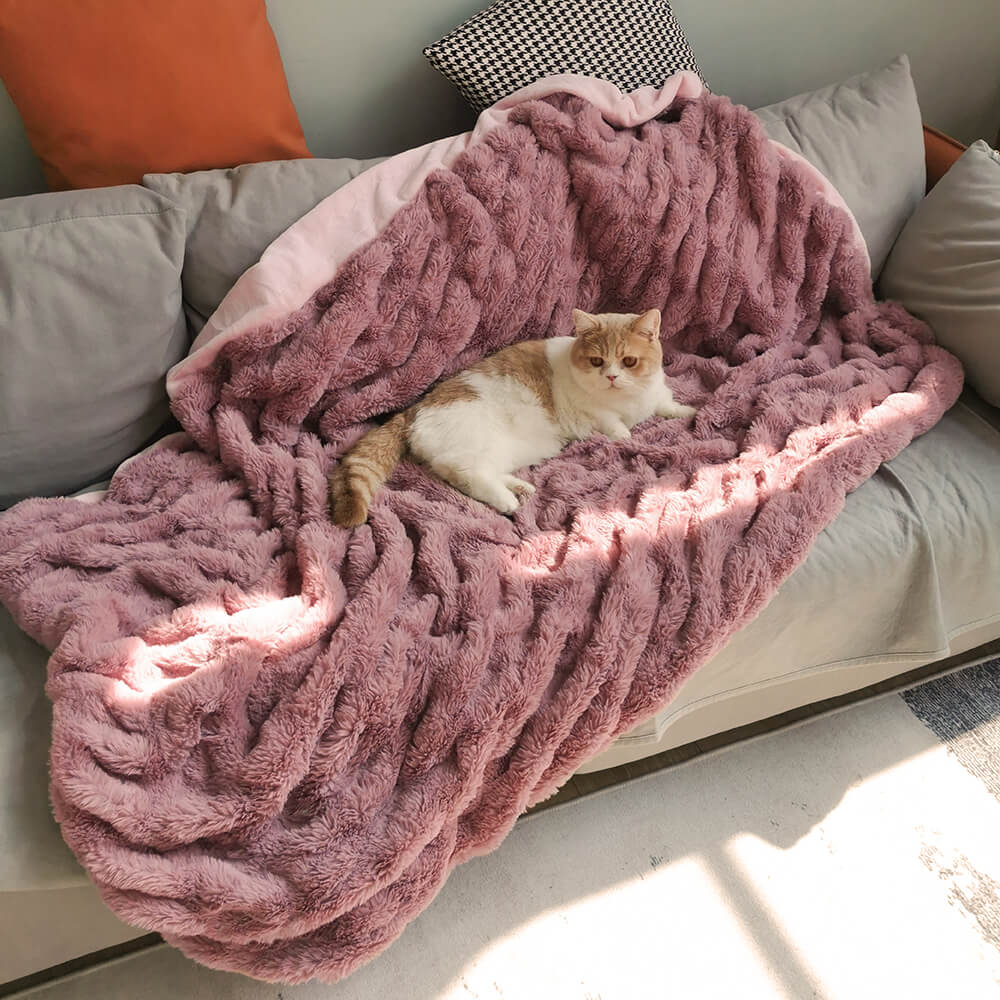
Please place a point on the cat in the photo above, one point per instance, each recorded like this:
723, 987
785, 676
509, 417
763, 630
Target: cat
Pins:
515, 408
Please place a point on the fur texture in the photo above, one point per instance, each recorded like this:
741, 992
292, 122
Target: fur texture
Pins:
273, 737
514, 409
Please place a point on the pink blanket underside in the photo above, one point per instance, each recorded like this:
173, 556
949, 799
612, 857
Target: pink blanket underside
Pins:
274, 738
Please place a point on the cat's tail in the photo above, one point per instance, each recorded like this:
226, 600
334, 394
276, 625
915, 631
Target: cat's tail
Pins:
362, 472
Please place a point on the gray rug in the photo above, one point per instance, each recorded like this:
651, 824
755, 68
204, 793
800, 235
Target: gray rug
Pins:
963, 710
854, 856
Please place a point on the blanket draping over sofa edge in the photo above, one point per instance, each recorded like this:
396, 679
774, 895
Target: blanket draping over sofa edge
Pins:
274, 738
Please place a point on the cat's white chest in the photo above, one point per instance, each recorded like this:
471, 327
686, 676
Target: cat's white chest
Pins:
519, 429
635, 409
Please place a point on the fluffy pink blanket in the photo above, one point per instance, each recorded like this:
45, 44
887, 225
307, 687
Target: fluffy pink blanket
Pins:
273, 738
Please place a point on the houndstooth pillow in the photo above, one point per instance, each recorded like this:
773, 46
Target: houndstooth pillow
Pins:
516, 42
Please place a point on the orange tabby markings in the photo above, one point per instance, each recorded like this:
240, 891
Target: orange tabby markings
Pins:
526, 362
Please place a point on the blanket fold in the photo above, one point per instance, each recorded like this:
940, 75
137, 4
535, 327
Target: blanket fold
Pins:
274, 738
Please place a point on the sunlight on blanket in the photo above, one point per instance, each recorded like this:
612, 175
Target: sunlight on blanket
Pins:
737, 491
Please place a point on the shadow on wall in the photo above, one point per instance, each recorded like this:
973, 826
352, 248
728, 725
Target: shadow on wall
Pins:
358, 76
20, 171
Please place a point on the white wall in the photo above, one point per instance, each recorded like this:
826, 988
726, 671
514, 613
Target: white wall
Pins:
362, 86
766, 50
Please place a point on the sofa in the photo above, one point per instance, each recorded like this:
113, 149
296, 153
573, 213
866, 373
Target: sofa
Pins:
905, 578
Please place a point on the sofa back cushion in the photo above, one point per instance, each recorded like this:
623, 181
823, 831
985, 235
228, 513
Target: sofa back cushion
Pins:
232, 216
90, 321
866, 137
945, 266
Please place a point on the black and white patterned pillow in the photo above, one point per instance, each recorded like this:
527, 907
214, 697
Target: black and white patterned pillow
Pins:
516, 42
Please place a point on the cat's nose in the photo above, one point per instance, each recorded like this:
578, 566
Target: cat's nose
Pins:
611, 378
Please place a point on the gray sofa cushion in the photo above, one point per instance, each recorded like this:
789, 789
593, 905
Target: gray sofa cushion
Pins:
234, 214
866, 136
945, 266
90, 321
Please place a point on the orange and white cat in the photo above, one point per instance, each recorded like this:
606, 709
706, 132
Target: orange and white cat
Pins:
515, 408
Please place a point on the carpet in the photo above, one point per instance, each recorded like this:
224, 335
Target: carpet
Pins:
853, 856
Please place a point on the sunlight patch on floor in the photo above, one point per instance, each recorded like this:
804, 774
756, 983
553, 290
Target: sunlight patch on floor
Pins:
564, 952
851, 902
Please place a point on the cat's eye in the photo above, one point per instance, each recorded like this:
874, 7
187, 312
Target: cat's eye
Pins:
630, 362
597, 362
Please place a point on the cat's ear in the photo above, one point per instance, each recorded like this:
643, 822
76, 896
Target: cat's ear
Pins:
584, 322
648, 324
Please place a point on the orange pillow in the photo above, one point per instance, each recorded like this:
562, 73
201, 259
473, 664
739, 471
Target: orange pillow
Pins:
111, 89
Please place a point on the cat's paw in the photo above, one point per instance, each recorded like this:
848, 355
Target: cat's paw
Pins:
505, 506
676, 410
491, 488
617, 432
520, 487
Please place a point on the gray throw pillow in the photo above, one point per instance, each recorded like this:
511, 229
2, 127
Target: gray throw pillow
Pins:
945, 266
90, 321
866, 136
233, 215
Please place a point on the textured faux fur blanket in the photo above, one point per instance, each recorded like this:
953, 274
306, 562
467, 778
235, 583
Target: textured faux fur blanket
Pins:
273, 738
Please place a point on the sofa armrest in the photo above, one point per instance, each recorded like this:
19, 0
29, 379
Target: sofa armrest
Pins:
940, 152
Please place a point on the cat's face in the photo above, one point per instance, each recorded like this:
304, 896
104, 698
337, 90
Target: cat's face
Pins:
615, 352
